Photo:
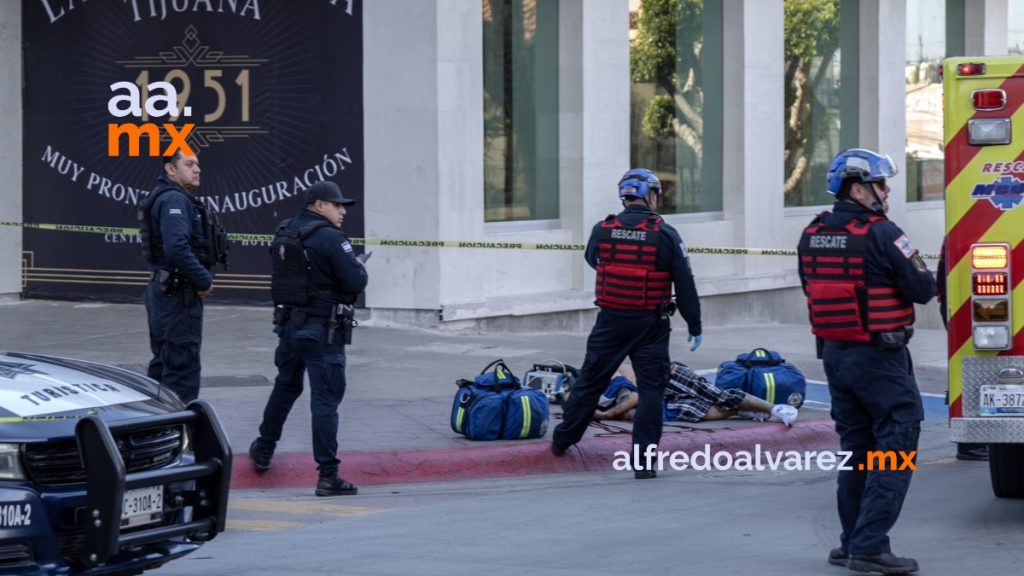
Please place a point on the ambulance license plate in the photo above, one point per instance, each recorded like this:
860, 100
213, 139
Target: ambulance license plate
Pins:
142, 506
1002, 400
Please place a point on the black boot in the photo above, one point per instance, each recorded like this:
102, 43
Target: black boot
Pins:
887, 563
260, 456
335, 486
837, 557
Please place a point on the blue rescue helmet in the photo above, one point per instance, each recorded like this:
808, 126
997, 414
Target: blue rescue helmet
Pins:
864, 165
637, 183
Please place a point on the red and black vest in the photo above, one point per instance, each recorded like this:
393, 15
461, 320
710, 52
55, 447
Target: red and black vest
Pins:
842, 305
628, 277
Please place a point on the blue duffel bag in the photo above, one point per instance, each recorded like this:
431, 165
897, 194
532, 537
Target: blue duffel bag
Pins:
766, 374
494, 405
527, 414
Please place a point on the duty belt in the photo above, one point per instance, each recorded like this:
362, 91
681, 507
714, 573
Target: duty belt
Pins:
893, 340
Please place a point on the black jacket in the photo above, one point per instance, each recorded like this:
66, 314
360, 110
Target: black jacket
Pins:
334, 276
176, 219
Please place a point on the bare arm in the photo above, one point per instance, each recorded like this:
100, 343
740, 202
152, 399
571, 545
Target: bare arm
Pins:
619, 409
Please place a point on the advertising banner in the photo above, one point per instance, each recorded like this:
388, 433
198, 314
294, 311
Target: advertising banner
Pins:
267, 93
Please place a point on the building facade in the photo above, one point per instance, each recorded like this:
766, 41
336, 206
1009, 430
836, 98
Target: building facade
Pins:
509, 122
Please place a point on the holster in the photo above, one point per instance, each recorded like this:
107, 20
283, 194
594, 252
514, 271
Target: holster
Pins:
343, 318
895, 340
282, 314
666, 310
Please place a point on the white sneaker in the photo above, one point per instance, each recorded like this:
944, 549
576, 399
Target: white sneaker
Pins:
786, 413
759, 416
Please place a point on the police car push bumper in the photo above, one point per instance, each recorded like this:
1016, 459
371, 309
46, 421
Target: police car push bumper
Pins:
107, 482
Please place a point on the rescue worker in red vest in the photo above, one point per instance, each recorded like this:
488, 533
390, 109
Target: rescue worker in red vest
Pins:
862, 277
638, 258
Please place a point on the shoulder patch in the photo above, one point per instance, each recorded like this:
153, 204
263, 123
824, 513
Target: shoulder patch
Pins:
903, 245
174, 211
346, 246
682, 246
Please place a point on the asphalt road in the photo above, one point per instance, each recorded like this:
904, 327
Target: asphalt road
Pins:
600, 523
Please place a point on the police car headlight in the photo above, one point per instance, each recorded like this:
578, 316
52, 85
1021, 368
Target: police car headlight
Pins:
10, 462
991, 337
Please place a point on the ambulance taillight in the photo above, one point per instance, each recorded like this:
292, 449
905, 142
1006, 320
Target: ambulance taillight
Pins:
990, 296
989, 99
970, 69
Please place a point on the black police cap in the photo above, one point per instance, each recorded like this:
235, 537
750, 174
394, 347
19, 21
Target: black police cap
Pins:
328, 192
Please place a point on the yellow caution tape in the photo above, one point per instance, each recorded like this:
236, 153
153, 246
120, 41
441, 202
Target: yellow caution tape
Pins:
397, 243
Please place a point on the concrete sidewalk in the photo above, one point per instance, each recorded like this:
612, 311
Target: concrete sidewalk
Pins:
395, 417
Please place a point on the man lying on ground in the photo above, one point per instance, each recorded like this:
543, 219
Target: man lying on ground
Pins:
689, 397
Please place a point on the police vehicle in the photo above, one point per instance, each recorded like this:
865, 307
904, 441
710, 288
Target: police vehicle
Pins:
102, 470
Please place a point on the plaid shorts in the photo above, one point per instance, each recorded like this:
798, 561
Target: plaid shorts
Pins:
692, 396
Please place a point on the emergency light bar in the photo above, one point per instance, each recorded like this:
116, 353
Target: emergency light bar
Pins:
990, 290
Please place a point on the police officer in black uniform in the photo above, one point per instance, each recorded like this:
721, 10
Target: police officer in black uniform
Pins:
312, 337
862, 277
182, 240
638, 258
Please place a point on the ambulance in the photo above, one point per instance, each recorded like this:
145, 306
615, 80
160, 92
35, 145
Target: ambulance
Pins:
984, 165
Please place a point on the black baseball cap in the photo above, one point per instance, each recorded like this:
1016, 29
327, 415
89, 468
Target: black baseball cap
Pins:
328, 192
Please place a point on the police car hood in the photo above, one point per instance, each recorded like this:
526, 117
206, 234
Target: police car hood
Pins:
43, 397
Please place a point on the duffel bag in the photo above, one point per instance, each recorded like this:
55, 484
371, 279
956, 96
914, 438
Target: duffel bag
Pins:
781, 384
731, 374
498, 379
766, 374
526, 414
493, 405
478, 414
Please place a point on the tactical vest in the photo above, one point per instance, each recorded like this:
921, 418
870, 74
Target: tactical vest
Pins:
210, 250
628, 277
213, 248
841, 304
289, 273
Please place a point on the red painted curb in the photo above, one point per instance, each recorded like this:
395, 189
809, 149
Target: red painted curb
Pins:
499, 459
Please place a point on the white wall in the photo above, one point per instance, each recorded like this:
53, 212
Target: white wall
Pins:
985, 29
10, 147
402, 192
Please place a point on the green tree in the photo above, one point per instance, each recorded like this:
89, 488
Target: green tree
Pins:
811, 31
667, 52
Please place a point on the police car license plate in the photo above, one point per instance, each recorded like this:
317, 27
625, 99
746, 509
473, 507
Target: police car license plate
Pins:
1002, 400
142, 506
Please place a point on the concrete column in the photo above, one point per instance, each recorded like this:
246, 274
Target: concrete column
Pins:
883, 118
402, 86
985, 29
753, 125
10, 148
594, 116
460, 146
